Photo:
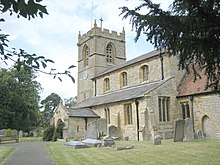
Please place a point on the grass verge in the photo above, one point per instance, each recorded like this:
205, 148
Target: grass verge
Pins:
202, 152
4, 152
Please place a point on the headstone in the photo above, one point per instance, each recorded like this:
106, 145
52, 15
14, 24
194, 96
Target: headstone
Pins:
113, 131
91, 132
92, 142
188, 130
3, 132
20, 134
199, 134
179, 130
108, 141
76, 144
157, 140
102, 127
15, 132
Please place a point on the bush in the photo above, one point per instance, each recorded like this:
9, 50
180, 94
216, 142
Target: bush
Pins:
9, 132
48, 133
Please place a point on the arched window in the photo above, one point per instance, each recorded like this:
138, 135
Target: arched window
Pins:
109, 53
164, 109
144, 72
107, 115
185, 110
86, 55
106, 84
123, 79
128, 114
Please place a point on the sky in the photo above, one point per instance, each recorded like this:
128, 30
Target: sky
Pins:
55, 36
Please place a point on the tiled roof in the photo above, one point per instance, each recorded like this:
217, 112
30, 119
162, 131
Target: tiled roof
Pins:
190, 86
130, 62
82, 112
122, 94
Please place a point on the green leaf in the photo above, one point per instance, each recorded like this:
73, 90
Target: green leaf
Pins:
73, 80
42, 8
48, 60
72, 66
60, 79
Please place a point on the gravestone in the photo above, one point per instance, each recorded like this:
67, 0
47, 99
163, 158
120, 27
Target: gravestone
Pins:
20, 134
113, 131
108, 141
188, 129
179, 130
199, 134
102, 127
91, 132
3, 132
15, 132
157, 140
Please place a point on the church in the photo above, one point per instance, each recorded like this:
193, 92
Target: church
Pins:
141, 97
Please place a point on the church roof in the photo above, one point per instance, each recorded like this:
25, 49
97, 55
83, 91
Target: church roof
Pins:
82, 112
131, 62
121, 95
190, 86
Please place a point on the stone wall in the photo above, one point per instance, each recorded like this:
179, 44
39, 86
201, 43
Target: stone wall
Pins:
206, 113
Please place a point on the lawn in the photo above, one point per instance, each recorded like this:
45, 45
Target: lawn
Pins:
202, 152
4, 152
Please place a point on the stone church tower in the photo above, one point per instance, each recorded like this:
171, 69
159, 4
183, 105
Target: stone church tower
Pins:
98, 50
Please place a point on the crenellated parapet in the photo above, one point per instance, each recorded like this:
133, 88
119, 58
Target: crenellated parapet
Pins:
99, 32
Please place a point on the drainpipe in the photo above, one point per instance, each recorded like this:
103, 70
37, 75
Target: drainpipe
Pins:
161, 60
192, 110
137, 114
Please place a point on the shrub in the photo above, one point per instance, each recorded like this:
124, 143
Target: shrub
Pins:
48, 133
9, 132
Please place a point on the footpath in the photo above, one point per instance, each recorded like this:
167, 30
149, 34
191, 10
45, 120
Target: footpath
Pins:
28, 153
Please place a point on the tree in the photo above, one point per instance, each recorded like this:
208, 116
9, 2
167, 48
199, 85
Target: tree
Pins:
27, 9
49, 104
19, 97
71, 102
190, 29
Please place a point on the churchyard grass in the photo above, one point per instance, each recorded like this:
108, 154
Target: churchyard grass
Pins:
202, 152
4, 152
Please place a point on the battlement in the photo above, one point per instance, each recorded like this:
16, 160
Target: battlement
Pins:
97, 31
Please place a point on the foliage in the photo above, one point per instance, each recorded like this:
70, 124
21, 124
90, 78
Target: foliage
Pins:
49, 104
19, 96
27, 9
190, 29
48, 133
71, 102
9, 132
58, 132
4, 152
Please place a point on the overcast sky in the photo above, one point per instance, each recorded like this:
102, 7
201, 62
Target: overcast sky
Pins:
55, 36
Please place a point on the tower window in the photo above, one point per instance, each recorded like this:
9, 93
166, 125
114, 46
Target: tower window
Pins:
86, 55
106, 84
144, 72
109, 53
123, 79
